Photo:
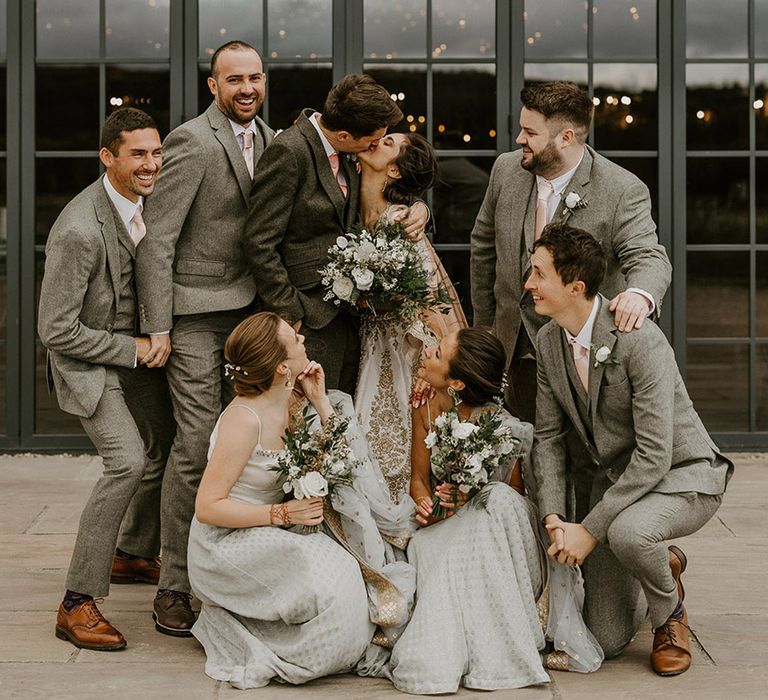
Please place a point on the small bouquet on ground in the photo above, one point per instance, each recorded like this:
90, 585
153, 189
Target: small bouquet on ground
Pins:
381, 269
315, 462
467, 454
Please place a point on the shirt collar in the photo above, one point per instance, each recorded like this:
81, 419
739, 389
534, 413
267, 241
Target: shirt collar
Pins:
326, 143
125, 207
561, 182
239, 128
584, 338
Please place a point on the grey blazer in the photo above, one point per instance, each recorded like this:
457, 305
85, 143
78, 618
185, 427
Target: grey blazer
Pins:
297, 211
191, 260
618, 215
78, 301
640, 428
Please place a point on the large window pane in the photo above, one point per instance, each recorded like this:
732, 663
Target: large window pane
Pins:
395, 30
67, 95
299, 28
626, 106
458, 194
3, 106
761, 191
67, 28
555, 29
624, 28
760, 105
717, 287
718, 200
761, 370
716, 29
718, 383
221, 21
137, 29
546, 72
717, 110
761, 28
3, 41
293, 87
3, 292
456, 263
407, 83
465, 101
761, 284
144, 86
58, 180
463, 28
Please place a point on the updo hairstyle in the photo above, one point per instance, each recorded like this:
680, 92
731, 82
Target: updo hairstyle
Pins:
417, 164
253, 352
479, 362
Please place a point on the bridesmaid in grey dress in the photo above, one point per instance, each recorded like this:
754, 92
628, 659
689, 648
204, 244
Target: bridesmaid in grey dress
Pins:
275, 604
481, 571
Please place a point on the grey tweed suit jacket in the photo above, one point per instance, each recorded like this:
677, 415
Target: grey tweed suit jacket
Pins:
78, 301
191, 260
637, 422
618, 215
297, 211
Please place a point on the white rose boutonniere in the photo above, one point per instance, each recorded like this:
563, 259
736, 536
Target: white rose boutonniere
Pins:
603, 357
573, 201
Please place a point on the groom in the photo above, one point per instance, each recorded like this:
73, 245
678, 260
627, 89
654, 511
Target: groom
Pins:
656, 474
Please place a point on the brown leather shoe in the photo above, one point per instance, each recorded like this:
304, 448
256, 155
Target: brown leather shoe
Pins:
87, 628
136, 570
678, 562
671, 653
172, 613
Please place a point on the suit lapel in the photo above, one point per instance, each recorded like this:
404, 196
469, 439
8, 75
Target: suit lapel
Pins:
527, 225
578, 184
226, 137
322, 166
353, 197
603, 335
104, 214
573, 375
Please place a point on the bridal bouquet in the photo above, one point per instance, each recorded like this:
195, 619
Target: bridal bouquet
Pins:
382, 269
466, 454
315, 462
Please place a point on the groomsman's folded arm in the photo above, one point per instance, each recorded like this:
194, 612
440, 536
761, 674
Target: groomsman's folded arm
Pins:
651, 371
165, 212
68, 269
275, 184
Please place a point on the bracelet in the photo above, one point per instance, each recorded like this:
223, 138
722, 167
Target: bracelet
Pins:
272, 509
284, 515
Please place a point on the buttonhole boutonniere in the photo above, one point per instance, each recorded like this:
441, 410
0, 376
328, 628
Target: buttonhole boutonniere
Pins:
603, 357
573, 201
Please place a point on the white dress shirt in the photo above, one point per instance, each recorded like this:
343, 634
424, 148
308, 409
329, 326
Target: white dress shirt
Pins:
584, 336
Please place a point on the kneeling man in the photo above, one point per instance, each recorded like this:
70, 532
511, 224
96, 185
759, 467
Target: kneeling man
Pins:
656, 475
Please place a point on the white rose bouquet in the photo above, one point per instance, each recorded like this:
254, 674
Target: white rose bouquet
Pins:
467, 454
381, 269
315, 462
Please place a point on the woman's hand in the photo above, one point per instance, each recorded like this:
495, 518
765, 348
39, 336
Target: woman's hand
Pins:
312, 381
421, 392
307, 511
424, 511
451, 497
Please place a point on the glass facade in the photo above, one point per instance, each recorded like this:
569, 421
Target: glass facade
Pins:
681, 100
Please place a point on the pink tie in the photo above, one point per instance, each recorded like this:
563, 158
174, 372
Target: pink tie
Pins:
581, 358
247, 148
138, 229
333, 159
542, 214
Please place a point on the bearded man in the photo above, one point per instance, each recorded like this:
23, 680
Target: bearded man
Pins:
557, 177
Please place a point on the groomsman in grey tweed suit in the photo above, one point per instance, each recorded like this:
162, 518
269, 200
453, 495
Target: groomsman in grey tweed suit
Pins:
103, 373
556, 176
194, 288
305, 194
656, 474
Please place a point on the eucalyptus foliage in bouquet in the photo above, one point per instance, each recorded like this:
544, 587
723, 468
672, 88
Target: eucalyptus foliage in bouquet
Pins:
381, 269
467, 454
315, 462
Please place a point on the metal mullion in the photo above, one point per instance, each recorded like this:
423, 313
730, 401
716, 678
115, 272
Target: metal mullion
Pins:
615, 153
752, 368
754, 442
66, 154
474, 153
517, 67
267, 61
176, 63
725, 247
590, 62
83, 61
743, 153
503, 76
190, 50
338, 39
598, 61
722, 340
429, 62
354, 37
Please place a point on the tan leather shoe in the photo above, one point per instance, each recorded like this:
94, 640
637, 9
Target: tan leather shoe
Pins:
135, 570
87, 628
678, 562
172, 613
671, 653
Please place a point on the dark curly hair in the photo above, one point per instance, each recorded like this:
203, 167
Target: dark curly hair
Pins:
479, 362
417, 164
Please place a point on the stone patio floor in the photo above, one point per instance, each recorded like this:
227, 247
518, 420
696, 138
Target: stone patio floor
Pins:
40, 502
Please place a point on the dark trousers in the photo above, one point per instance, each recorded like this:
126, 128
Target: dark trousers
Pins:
337, 348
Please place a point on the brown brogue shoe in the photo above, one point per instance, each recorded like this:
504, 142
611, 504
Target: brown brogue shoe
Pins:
136, 570
671, 653
172, 613
678, 562
87, 628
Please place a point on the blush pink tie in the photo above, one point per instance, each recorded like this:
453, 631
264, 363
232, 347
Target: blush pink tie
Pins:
333, 159
138, 229
581, 358
546, 190
247, 148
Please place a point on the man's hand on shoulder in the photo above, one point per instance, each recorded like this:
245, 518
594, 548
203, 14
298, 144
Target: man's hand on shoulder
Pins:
417, 220
630, 309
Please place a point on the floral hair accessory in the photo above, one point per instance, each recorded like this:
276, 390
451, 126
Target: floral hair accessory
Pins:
230, 370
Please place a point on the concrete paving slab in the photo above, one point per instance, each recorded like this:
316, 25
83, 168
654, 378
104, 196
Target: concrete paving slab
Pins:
57, 519
16, 518
34, 552
45, 467
734, 640
28, 637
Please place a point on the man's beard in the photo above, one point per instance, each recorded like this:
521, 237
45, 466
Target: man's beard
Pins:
546, 162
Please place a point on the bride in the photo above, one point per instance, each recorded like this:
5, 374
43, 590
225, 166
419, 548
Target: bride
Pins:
277, 603
400, 169
483, 610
